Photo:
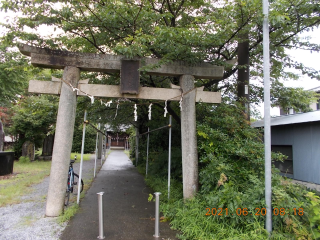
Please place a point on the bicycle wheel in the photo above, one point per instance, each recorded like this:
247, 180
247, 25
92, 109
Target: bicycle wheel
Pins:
68, 190
66, 199
76, 184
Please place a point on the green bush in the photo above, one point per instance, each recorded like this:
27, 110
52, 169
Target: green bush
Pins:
34, 118
158, 164
314, 214
231, 176
90, 139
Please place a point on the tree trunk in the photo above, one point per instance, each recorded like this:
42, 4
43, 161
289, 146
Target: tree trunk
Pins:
243, 74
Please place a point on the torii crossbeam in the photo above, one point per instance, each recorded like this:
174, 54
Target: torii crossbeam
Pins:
73, 63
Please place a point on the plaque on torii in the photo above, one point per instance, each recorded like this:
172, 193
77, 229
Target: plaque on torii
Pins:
73, 63
129, 73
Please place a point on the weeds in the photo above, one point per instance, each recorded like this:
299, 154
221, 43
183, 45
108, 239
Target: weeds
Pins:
68, 213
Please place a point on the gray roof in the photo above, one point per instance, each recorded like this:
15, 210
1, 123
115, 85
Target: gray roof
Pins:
290, 119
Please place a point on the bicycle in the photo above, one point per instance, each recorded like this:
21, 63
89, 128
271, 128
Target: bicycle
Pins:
72, 185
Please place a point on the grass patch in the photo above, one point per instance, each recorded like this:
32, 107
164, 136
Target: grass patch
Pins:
68, 213
26, 175
86, 157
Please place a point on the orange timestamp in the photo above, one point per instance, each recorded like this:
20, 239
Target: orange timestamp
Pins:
257, 212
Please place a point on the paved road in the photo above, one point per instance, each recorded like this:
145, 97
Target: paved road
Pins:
127, 212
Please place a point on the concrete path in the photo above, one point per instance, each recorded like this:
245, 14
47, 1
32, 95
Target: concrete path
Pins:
127, 212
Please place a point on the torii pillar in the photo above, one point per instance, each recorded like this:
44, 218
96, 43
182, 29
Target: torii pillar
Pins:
62, 143
189, 138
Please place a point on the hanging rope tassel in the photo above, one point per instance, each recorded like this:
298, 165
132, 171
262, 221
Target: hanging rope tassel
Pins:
165, 108
149, 115
74, 89
180, 103
135, 112
181, 99
108, 103
117, 110
92, 98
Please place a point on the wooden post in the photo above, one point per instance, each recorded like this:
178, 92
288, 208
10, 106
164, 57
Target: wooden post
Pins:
189, 138
62, 143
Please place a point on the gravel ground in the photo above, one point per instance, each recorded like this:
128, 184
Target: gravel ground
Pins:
27, 220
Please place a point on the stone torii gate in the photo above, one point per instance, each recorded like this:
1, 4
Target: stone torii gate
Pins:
72, 63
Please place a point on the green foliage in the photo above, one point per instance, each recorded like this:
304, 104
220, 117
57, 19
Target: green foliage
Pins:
295, 98
314, 214
14, 74
158, 164
189, 216
229, 146
23, 159
90, 140
192, 31
160, 184
231, 174
150, 197
34, 118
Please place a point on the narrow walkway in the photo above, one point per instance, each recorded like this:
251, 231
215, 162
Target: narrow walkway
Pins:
127, 212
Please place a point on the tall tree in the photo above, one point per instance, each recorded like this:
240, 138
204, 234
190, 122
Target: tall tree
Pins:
14, 75
34, 118
192, 31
